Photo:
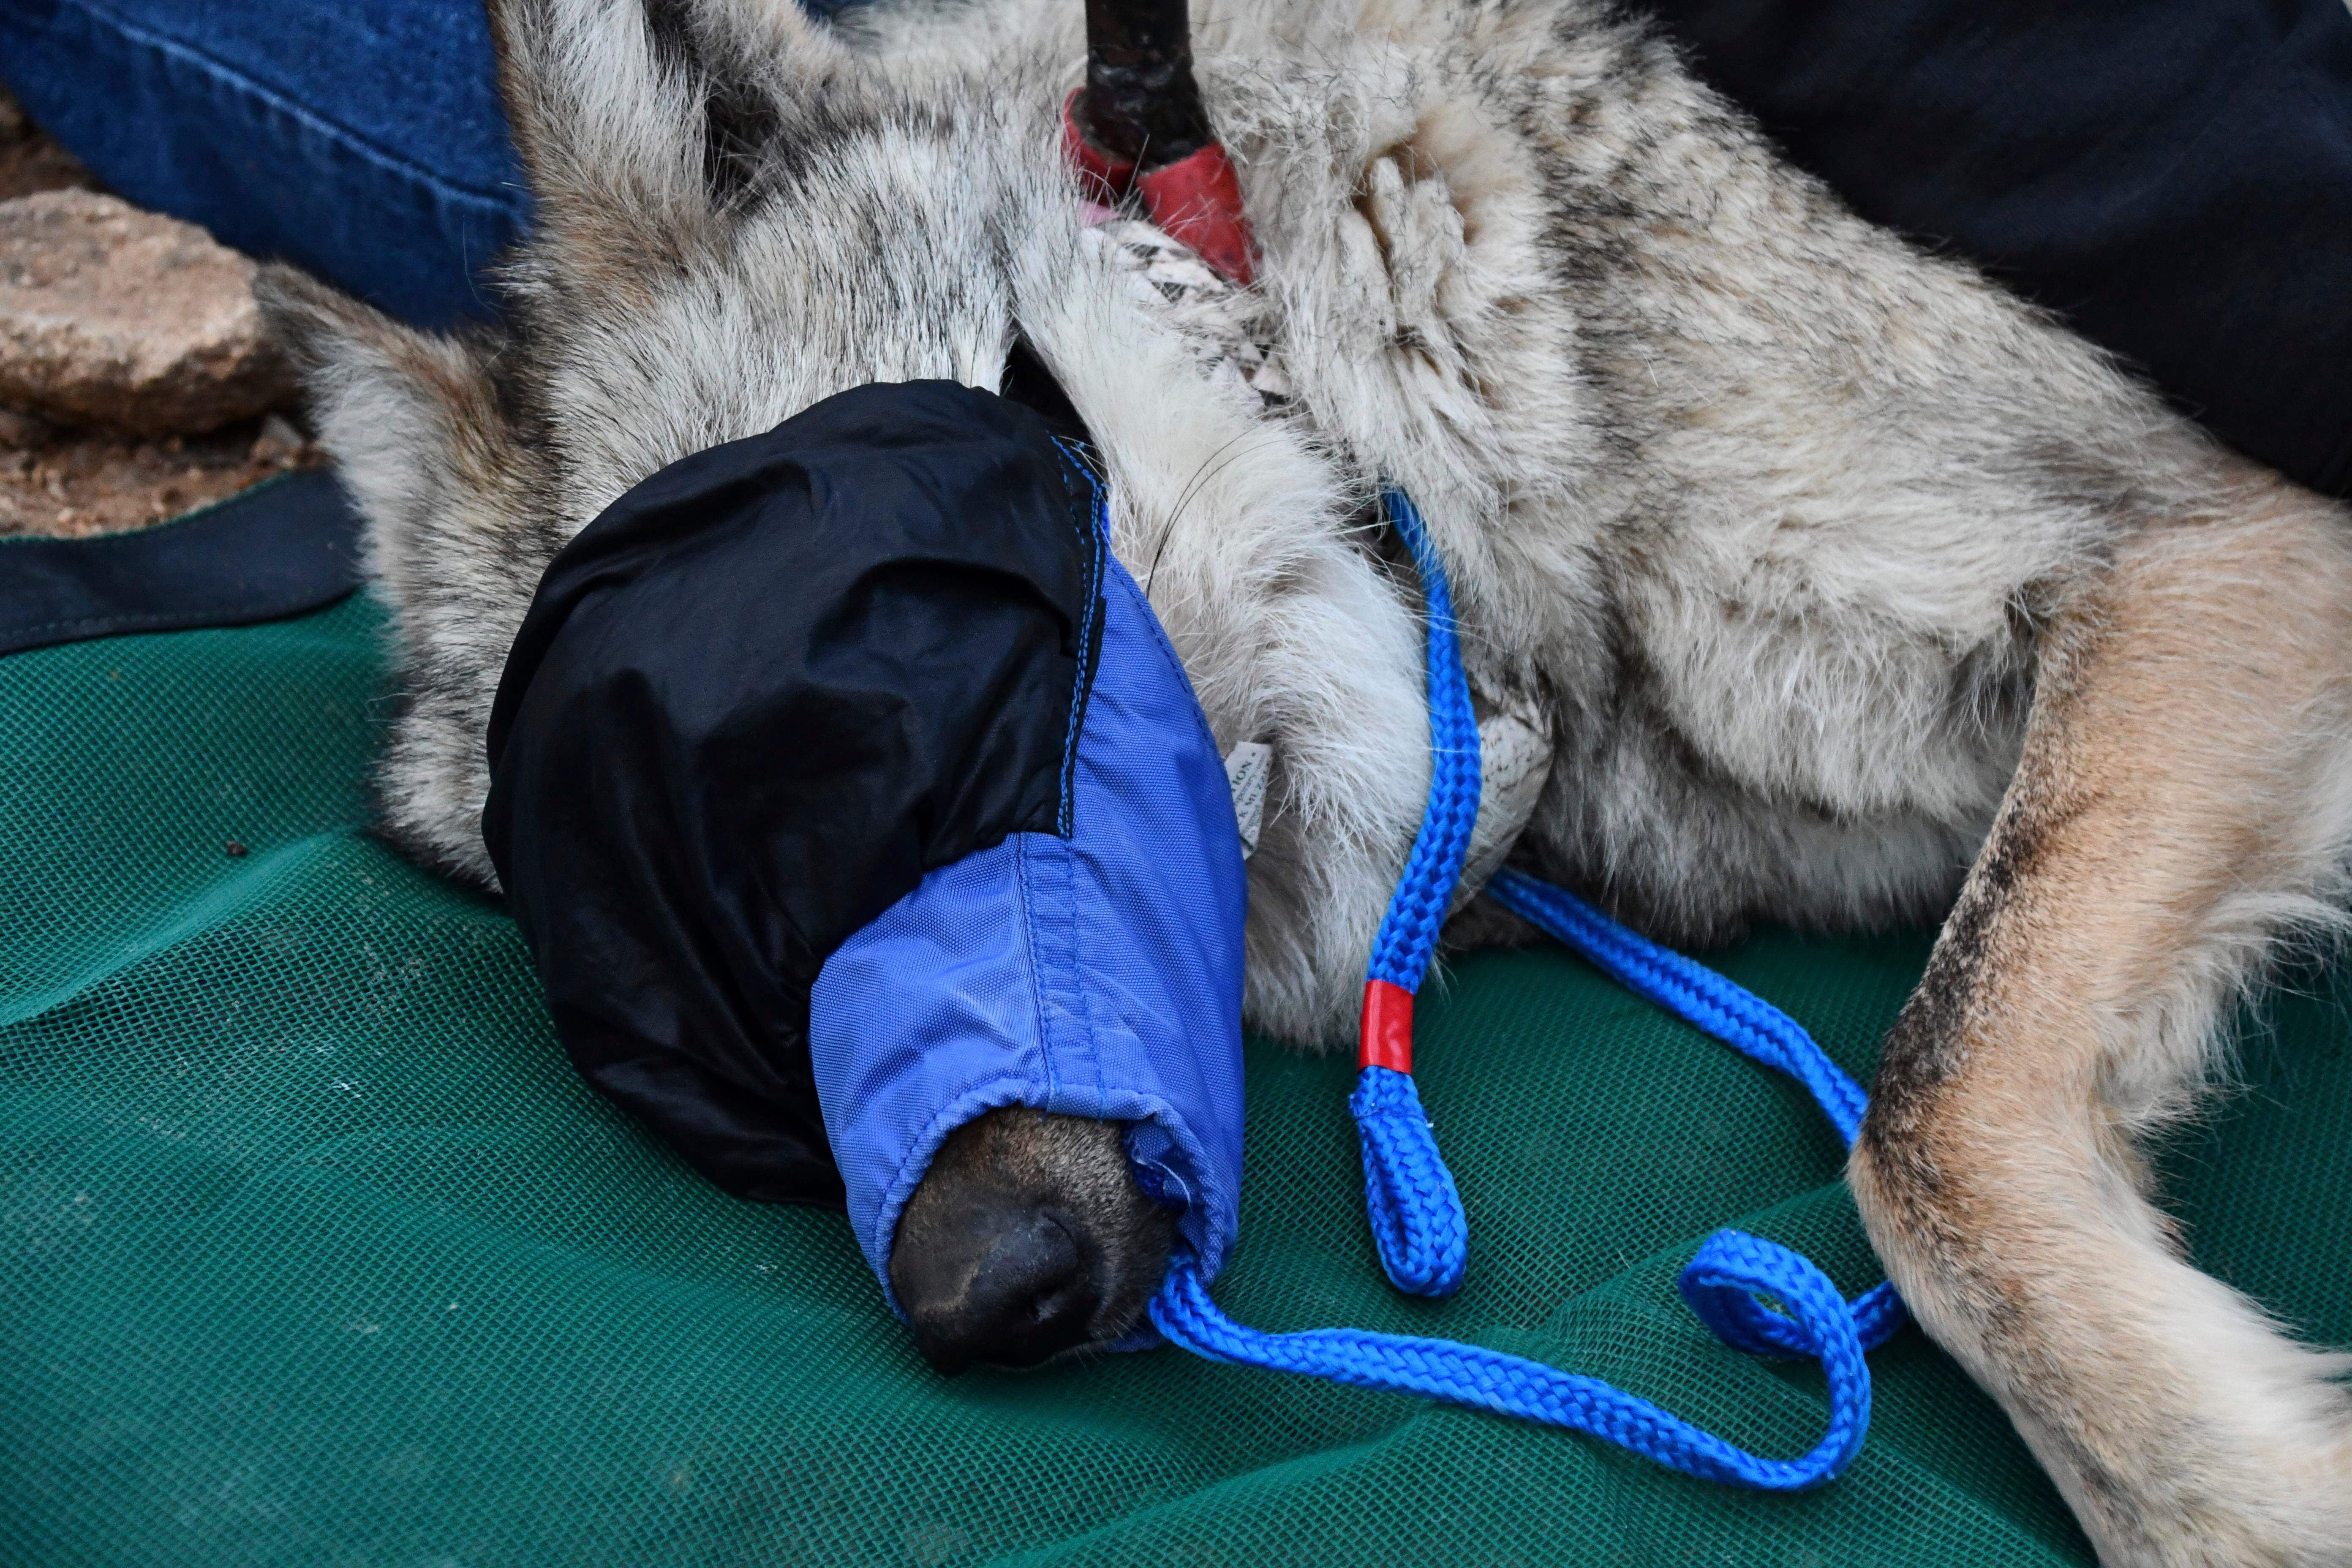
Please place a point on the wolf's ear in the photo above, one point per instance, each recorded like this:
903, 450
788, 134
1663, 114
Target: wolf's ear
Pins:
643, 125
453, 496
425, 435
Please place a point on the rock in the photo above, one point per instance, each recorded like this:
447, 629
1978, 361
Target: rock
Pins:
126, 319
82, 482
36, 163
29, 161
23, 432
277, 442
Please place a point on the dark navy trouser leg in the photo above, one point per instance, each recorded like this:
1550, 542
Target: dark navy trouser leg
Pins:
361, 139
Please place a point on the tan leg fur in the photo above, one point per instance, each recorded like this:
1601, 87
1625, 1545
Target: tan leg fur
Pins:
2185, 795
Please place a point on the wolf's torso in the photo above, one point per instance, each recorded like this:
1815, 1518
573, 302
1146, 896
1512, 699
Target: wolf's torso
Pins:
1750, 510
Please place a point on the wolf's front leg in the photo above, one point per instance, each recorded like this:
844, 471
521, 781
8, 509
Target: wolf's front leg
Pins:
2186, 790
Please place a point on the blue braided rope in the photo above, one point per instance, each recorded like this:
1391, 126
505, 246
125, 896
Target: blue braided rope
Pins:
1416, 1209
1727, 1283
1729, 1266
1740, 1020
1407, 939
1739, 1017
1418, 1227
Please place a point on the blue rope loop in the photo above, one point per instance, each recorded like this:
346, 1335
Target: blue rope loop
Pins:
1729, 1265
1740, 1020
1418, 1225
1415, 1210
1739, 1017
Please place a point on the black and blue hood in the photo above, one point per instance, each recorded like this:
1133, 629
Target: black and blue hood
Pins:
845, 786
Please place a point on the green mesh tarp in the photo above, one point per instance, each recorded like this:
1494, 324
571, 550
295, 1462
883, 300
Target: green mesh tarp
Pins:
312, 1249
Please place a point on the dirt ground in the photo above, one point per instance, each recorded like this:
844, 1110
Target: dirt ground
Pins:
70, 484
31, 162
73, 483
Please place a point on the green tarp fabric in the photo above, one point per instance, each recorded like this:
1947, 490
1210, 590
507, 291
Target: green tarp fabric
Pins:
313, 1250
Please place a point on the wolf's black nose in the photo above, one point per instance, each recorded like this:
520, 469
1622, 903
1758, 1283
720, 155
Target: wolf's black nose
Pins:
1019, 1286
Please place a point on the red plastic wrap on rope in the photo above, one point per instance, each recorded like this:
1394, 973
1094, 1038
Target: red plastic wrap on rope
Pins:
1197, 201
1386, 1038
1105, 177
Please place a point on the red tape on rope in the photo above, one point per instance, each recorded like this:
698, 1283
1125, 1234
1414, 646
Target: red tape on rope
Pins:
1196, 200
1387, 1038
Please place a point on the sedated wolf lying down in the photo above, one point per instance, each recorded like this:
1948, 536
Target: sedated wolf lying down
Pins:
1803, 576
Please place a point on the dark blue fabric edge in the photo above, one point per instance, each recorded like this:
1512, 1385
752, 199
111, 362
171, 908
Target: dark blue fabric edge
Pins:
284, 548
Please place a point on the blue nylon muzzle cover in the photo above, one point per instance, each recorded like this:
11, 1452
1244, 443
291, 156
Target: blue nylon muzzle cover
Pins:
845, 786
1096, 974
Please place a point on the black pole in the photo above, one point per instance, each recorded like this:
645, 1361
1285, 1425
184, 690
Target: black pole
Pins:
1141, 103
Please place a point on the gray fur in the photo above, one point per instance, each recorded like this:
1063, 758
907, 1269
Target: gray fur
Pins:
1756, 516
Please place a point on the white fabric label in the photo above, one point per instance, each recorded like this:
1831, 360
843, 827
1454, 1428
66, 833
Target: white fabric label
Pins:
1246, 768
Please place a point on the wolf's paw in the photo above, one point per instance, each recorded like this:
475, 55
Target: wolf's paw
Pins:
1514, 761
1407, 254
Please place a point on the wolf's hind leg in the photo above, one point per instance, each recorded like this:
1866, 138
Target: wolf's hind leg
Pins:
2185, 795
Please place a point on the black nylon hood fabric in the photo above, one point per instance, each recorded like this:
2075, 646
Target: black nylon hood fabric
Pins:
752, 705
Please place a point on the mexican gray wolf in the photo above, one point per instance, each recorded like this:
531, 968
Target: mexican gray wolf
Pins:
1803, 576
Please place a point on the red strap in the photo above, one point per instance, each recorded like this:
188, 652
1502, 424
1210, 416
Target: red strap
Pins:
1387, 1038
1106, 178
1197, 200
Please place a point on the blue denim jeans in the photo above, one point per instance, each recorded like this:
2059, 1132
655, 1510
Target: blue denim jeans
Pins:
360, 138
2174, 175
